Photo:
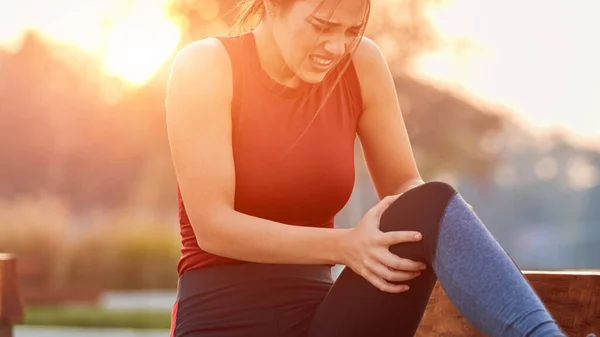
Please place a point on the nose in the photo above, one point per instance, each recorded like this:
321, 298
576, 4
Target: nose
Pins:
336, 47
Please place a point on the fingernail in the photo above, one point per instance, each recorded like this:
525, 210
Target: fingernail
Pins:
423, 266
405, 288
418, 236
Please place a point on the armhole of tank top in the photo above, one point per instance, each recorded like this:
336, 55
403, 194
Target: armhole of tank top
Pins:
353, 83
231, 48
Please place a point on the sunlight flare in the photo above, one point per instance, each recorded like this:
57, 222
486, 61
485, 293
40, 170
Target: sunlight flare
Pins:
140, 43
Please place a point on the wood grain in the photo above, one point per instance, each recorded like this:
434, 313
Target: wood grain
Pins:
573, 298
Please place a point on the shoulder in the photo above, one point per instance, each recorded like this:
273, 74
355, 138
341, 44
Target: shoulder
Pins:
199, 61
208, 53
371, 67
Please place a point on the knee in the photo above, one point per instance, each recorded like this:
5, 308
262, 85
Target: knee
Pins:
419, 209
422, 206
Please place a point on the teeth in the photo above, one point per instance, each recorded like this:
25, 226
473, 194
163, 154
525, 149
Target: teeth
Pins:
320, 61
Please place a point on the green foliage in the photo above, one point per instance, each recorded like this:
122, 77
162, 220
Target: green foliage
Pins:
142, 259
116, 250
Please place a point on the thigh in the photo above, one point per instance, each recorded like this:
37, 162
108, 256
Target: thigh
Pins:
249, 300
228, 313
354, 307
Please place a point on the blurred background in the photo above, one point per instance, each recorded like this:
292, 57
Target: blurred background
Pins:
501, 99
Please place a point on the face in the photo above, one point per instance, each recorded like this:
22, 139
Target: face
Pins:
314, 35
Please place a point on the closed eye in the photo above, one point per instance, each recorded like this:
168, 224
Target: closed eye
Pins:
354, 31
319, 27
324, 28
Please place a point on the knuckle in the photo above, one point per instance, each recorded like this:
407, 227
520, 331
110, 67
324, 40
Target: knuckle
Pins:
403, 277
389, 275
398, 265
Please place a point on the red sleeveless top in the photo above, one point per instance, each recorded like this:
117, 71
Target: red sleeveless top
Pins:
290, 166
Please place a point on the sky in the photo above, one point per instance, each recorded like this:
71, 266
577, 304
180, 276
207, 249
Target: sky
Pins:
539, 58
536, 58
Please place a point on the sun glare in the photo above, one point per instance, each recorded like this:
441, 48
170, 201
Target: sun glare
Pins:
139, 43
132, 38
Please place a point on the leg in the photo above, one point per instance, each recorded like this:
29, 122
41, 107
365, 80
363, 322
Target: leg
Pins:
476, 273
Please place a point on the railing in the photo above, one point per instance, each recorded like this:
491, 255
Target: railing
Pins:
11, 305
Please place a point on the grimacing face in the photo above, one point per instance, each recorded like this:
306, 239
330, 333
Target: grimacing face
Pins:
314, 35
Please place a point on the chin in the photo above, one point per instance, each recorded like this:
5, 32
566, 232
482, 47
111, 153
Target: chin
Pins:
314, 75
313, 78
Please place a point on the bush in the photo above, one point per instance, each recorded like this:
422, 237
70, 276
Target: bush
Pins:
114, 250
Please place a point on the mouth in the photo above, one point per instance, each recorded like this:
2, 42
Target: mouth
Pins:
320, 63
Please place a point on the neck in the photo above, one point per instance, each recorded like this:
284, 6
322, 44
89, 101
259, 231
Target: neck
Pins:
270, 57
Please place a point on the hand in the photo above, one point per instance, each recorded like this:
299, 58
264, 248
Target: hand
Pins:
368, 254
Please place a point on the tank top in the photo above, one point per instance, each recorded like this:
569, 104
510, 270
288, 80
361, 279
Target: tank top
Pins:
292, 164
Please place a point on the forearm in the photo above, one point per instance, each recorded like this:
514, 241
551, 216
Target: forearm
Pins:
244, 237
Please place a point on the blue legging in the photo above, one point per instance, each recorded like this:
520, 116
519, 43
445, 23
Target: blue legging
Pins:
481, 280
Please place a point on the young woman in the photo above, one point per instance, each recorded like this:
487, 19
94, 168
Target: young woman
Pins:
262, 128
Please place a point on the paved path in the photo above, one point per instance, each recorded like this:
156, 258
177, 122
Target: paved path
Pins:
31, 331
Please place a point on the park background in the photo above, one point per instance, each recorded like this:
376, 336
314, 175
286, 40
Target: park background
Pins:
501, 99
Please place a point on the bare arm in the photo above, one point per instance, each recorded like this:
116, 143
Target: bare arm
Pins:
199, 127
381, 129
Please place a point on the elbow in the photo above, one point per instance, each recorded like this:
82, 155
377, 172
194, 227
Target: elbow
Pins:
207, 241
207, 234
203, 241
207, 245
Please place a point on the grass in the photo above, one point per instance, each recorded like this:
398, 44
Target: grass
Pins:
97, 317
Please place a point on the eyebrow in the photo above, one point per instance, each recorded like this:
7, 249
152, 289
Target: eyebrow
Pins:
333, 23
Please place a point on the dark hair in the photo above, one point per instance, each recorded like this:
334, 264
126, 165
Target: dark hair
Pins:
252, 12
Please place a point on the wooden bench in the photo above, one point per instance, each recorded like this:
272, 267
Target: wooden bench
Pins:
573, 298
11, 306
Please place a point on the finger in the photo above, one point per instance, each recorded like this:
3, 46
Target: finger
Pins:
395, 237
391, 275
394, 261
383, 285
381, 206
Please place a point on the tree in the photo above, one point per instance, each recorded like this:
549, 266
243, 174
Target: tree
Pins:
60, 133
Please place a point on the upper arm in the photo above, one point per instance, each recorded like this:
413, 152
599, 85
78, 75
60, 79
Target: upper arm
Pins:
381, 128
198, 112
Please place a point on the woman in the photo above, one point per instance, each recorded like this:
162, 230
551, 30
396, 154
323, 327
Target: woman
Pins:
262, 128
